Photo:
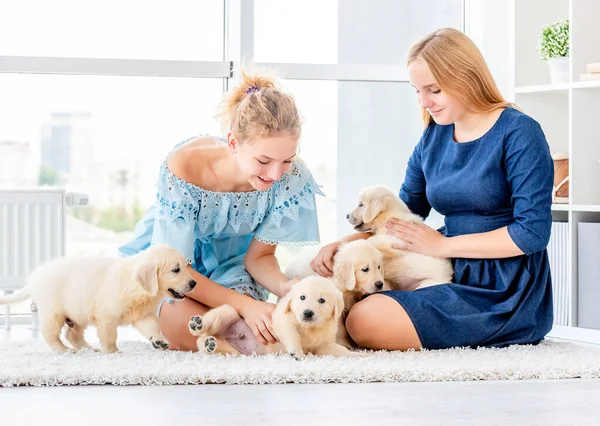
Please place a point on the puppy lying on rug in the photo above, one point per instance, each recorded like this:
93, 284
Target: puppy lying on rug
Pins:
104, 291
358, 270
404, 270
304, 321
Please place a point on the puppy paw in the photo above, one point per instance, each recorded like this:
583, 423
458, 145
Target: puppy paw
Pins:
160, 344
298, 356
195, 325
210, 345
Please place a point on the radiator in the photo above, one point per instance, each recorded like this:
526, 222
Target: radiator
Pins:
560, 267
32, 232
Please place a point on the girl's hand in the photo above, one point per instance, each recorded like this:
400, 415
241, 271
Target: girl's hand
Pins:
257, 316
418, 238
322, 264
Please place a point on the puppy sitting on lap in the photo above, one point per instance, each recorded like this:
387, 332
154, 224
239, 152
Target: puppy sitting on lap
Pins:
357, 271
304, 321
404, 270
107, 292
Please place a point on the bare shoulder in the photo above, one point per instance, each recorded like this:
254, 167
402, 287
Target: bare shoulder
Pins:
190, 160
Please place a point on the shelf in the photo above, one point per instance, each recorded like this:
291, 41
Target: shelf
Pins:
586, 85
565, 111
542, 89
575, 334
554, 88
585, 208
575, 207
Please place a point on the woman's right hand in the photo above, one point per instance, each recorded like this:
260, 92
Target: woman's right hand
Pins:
322, 264
257, 316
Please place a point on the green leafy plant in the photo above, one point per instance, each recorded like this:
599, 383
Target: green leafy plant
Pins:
554, 41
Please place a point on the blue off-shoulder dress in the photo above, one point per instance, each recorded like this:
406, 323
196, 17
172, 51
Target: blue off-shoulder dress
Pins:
213, 230
502, 179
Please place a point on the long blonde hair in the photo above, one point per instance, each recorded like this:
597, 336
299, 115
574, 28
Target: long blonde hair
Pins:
257, 107
459, 70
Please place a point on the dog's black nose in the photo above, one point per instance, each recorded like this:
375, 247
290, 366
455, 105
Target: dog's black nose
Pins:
379, 285
308, 314
192, 284
348, 216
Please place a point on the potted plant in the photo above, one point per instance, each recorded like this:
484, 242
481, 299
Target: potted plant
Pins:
553, 47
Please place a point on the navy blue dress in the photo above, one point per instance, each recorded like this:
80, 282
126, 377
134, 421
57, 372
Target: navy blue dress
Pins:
502, 179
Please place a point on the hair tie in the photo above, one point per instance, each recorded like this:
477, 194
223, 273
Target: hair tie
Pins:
252, 89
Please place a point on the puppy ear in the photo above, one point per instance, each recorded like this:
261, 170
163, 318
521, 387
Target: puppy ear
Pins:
343, 271
146, 276
287, 303
372, 209
338, 308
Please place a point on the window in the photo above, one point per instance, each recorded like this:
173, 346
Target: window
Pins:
296, 31
106, 135
317, 102
132, 29
103, 136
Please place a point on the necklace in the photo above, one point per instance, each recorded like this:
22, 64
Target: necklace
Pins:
474, 131
481, 122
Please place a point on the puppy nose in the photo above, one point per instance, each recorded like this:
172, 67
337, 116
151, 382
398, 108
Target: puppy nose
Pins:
308, 314
348, 216
192, 284
379, 285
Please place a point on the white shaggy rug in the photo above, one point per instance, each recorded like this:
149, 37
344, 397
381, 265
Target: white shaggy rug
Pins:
30, 363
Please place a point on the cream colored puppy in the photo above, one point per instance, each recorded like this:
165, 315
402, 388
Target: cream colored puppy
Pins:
404, 270
107, 292
304, 321
358, 271
357, 268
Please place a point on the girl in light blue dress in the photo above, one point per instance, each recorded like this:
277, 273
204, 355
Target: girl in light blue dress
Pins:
227, 203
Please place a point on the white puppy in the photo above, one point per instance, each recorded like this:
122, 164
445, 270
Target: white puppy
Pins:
358, 271
304, 321
104, 291
404, 270
357, 268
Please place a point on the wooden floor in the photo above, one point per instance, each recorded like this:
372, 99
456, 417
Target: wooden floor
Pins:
559, 402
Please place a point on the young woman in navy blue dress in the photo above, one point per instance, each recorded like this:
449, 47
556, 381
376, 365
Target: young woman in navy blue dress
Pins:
486, 167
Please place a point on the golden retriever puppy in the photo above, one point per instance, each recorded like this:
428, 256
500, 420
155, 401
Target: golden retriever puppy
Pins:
304, 321
358, 271
357, 268
107, 292
404, 270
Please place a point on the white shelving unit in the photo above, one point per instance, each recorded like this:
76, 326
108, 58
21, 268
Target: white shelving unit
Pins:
569, 114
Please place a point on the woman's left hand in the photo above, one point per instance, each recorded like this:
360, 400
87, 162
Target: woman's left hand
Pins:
418, 238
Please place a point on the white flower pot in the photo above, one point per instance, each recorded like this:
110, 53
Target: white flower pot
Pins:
559, 70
